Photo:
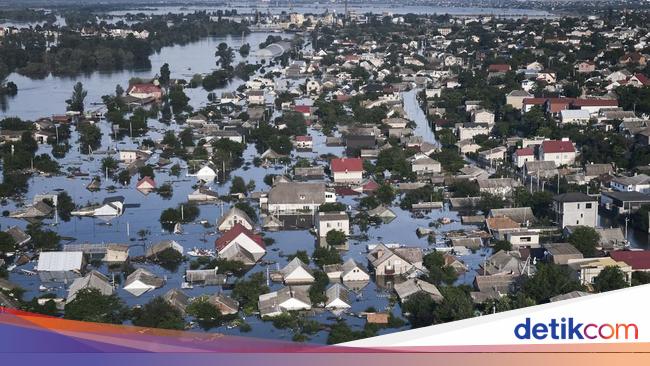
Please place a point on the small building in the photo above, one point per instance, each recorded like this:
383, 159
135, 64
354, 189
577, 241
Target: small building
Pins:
562, 152
18, 235
141, 281
297, 272
153, 250
225, 304
521, 156
351, 271
146, 184
414, 286
587, 269
328, 221
498, 186
424, 165
288, 298
623, 202
233, 217
561, 253
93, 280
240, 244
178, 299
60, 266
338, 297
394, 261
303, 142
523, 239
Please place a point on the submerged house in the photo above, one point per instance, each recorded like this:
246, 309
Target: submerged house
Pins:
93, 280
240, 244
141, 281
60, 266
288, 298
232, 217
297, 272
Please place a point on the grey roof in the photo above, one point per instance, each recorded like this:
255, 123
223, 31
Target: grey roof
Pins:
501, 283
177, 299
498, 183
382, 253
592, 170
18, 235
294, 192
94, 280
541, 167
224, 302
337, 291
570, 295
60, 261
561, 249
293, 265
413, 286
637, 179
627, 196
145, 277
350, 265
574, 197
237, 212
503, 262
519, 214
333, 216
209, 276
382, 211
270, 303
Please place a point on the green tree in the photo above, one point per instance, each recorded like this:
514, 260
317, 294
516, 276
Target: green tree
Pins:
238, 185
205, 313
90, 305
385, 194
247, 292
164, 74
439, 274
158, 313
501, 245
549, 280
317, 289
585, 239
76, 101
610, 278
300, 254
419, 310
335, 237
7, 243
65, 205
323, 256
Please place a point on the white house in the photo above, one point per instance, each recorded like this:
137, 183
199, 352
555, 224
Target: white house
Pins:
293, 197
523, 239
637, 183
232, 217
347, 170
206, 174
422, 165
577, 116
353, 272
240, 244
576, 209
338, 297
521, 156
562, 152
297, 272
327, 221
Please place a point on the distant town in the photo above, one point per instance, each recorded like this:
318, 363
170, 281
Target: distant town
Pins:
320, 176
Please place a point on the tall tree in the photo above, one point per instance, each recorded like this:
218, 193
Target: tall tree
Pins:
164, 74
76, 101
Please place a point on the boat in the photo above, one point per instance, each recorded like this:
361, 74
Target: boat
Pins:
186, 285
200, 252
444, 220
178, 229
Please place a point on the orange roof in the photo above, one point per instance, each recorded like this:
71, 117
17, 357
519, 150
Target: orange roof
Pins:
501, 223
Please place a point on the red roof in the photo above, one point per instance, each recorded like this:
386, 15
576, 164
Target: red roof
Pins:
304, 138
555, 146
305, 109
526, 151
534, 101
499, 68
144, 88
146, 180
370, 186
642, 79
637, 259
595, 102
347, 165
233, 233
